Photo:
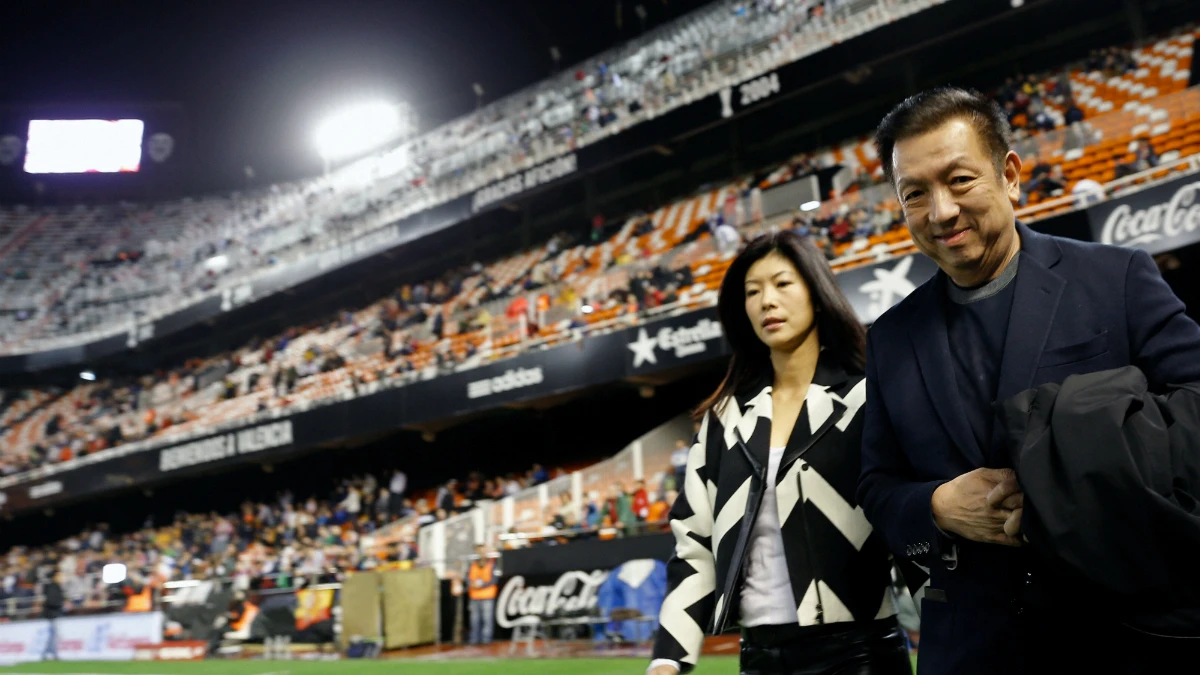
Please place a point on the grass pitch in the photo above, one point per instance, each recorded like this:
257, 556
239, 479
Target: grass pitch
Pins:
709, 665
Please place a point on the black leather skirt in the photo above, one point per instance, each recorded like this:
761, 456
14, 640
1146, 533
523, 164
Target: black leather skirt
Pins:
875, 648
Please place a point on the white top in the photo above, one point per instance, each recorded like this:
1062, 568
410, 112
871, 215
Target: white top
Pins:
766, 596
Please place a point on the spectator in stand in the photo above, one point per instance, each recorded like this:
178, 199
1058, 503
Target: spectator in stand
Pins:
660, 504
841, 232
1052, 184
640, 501
565, 514
1074, 114
1144, 158
383, 504
674, 480
620, 504
512, 486
725, 236
446, 496
352, 504
595, 510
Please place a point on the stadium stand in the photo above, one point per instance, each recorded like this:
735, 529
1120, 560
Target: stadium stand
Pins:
663, 260
1122, 117
366, 524
82, 273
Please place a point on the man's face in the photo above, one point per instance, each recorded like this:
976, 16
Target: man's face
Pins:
957, 207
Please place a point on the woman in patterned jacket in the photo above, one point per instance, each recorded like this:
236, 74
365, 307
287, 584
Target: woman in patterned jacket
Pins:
768, 536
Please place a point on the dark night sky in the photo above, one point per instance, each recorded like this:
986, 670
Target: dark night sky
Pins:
255, 77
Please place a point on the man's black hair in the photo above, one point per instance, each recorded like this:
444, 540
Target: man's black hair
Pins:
928, 110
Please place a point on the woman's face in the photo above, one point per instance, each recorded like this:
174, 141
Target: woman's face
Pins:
778, 303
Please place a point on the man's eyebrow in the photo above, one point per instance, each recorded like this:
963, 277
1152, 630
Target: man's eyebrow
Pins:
955, 162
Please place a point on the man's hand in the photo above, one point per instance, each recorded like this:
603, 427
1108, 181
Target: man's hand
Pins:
1012, 526
1007, 495
663, 670
982, 505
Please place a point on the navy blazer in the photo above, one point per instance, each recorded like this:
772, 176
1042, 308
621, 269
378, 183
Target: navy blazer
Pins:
1078, 307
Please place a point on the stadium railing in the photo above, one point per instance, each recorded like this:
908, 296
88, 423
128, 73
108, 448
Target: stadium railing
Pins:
95, 593
1119, 187
527, 516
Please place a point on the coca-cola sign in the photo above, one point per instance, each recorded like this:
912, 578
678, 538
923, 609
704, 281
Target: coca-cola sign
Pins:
572, 591
1159, 219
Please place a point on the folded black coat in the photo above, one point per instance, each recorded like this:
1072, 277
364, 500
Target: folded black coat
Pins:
1111, 476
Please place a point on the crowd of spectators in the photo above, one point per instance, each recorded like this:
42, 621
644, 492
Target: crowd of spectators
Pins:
289, 541
82, 271
74, 272
1034, 104
283, 543
838, 229
419, 329
408, 333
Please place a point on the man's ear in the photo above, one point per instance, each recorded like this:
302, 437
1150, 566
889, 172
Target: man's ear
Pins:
1012, 176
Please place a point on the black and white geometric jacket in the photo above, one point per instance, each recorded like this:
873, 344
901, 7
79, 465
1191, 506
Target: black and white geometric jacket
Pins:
840, 570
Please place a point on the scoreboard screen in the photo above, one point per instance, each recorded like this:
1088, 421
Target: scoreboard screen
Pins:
84, 146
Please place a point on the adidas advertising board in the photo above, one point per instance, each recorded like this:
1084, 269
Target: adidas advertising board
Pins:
511, 379
44, 490
1159, 219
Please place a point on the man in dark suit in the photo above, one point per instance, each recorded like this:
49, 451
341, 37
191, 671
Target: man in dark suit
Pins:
1010, 309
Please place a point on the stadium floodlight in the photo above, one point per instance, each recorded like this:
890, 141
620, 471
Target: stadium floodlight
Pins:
113, 573
87, 375
356, 130
810, 206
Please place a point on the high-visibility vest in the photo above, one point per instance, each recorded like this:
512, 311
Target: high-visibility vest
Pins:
140, 602
485, 573
249, 611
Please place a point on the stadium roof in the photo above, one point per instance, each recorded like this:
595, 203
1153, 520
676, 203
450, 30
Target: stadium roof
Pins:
254, 78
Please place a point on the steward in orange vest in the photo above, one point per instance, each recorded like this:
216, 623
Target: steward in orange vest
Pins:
482, 589
481, 577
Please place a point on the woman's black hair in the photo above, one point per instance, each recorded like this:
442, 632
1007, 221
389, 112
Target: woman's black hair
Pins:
843, 337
